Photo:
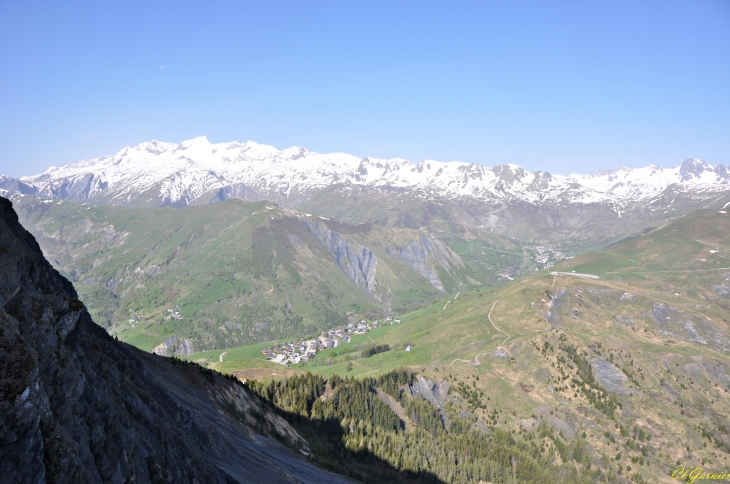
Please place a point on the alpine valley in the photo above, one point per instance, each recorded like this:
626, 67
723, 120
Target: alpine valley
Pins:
549, 328
307, 242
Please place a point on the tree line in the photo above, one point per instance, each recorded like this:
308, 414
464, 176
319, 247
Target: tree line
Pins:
353, 431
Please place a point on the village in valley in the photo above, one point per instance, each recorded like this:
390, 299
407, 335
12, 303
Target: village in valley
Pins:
546, 255
302, 351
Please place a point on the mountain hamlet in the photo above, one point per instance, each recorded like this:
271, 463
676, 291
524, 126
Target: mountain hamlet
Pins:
230, 312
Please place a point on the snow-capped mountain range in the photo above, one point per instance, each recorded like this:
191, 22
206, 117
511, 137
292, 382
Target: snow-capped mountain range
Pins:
198, 171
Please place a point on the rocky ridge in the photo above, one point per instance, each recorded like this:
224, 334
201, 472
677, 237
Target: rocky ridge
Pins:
198, 171
78, 406
576, 212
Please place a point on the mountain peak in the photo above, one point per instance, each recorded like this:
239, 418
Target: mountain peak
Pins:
295, 173
695, 163
295, 153
197, 141
693, 168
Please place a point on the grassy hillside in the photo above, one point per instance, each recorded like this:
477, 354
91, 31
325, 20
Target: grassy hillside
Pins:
232, 273
633, 367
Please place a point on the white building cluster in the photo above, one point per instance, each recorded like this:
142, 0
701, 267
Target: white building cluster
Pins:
547, 255
173, 313
301, 351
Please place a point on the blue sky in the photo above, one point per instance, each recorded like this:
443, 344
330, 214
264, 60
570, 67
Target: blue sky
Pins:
555, 86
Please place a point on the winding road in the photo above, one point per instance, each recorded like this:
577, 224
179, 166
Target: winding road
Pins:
489, 317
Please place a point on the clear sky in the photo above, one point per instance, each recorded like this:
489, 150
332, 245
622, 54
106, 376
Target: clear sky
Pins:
555, 86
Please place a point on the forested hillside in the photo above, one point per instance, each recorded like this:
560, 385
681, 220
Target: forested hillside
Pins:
615, 366
347, 422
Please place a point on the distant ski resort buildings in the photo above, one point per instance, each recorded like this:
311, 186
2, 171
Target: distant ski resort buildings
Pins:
546, 255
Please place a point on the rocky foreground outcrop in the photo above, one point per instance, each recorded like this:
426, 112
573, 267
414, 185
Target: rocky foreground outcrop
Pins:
79, 406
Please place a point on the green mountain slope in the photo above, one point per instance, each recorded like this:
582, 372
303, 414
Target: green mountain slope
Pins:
236, 272
626, 375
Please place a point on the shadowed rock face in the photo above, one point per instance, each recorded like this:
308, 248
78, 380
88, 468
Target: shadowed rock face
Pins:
10, 184
239, 190
78, 406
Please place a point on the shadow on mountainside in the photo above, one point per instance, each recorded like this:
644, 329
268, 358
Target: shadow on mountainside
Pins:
78, 406
336, 457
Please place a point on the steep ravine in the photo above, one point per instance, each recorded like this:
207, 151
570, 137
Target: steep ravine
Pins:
79, 406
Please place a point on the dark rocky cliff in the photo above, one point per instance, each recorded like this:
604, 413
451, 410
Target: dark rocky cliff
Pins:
78, 406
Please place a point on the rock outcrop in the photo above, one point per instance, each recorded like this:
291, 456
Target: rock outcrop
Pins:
435, 391
174, 346
358, 263
424, 255
680, 323
78, 406
611, 377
